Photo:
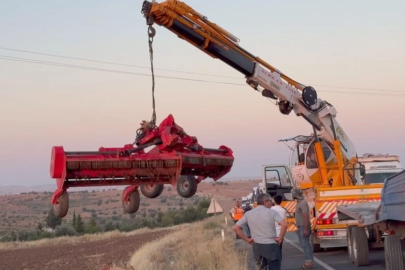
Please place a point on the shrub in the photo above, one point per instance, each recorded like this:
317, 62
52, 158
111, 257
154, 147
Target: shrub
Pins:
65, 230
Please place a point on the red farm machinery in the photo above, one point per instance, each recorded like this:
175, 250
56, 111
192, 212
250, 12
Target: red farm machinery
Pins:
175, 158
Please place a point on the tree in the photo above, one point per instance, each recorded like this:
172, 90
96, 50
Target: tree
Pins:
79, 224
92, 227
51, 220
40, 227
74, 221
109, 226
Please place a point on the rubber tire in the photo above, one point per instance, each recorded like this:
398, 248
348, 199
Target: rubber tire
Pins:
349, 243
190, 190
154, 192
394, 259
361, 251
132, 205
62, 207
315, 247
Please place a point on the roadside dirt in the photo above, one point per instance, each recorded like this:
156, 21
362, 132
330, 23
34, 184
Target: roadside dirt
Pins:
94, 255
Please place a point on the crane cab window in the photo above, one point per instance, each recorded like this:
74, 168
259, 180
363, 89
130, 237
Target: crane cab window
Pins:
298, 155
311, 159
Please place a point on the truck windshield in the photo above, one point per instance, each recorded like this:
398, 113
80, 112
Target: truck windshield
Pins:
376, 178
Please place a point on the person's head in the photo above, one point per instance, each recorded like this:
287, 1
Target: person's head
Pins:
264, 199
297, 194
278, 199
238, 203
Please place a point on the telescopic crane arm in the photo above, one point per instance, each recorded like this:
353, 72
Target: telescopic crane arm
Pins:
210, 38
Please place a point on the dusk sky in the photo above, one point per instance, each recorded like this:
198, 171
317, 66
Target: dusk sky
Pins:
352, 52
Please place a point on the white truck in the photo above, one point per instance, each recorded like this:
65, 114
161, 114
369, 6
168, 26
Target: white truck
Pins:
250, 197
379, 167
244, 201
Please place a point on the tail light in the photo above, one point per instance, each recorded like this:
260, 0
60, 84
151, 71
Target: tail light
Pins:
325, 233
324, 221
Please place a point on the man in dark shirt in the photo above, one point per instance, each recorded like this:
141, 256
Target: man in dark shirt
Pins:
247, 207
302, 218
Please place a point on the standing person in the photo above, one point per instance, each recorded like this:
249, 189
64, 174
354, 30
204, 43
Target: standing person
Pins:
304, 227
264, 241
247, 207
236, 213
283, 213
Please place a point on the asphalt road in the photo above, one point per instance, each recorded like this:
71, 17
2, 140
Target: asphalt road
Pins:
336, 259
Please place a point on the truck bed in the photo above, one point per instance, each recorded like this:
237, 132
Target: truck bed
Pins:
392, 204
363, 212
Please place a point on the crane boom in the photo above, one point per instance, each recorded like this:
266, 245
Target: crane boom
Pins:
218, 43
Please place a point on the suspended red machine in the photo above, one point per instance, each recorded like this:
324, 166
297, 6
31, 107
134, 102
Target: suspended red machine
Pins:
175, 158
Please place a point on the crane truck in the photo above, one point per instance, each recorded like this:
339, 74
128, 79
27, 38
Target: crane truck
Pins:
329, 172
328, 231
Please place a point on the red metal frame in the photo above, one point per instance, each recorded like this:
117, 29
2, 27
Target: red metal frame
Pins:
174, 153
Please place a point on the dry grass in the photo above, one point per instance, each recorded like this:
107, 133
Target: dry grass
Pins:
73, 239
194, 246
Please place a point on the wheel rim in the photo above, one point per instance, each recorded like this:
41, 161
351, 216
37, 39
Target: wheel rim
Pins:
149, 188
184, 185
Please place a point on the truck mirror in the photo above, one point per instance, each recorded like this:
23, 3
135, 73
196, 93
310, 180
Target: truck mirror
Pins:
362, 169
288, 196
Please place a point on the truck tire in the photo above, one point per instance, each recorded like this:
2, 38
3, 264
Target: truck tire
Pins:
186, 186
360, 246
152, 190
349, 243
316, 247
394, 259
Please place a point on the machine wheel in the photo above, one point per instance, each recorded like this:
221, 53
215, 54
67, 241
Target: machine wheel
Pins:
393, 253
61, 208
349, 243
152, 190
359, 241
132, 204
186, 186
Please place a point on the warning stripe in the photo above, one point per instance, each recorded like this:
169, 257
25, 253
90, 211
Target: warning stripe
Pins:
290, 206
292, 228
328, 209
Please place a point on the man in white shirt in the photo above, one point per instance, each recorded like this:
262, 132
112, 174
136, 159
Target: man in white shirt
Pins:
265, 243
282, 212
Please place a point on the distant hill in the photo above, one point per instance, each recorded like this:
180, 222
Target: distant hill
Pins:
26, 210
17, 189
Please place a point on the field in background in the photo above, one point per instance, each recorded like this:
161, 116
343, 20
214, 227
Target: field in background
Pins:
25, 211
170, 248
